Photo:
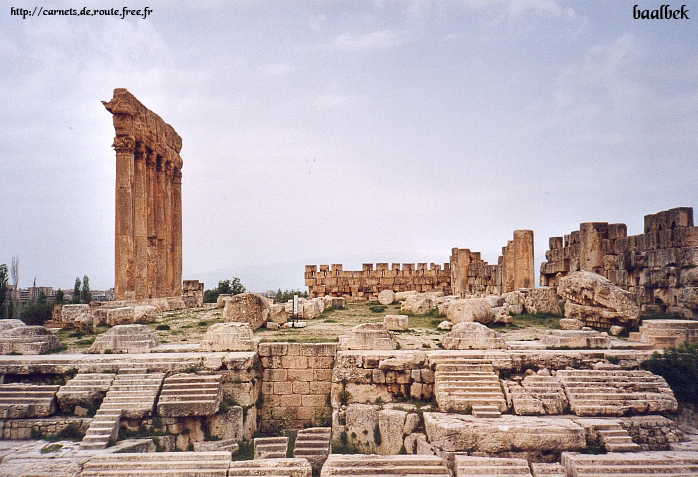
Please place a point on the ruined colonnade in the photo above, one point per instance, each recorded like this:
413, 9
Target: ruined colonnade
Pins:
148, 242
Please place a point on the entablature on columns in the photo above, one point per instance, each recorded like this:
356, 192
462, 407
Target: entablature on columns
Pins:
136, 123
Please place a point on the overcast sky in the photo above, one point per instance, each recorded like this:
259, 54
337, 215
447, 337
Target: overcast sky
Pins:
346, 131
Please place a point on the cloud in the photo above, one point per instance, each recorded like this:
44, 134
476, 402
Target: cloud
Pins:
377, 40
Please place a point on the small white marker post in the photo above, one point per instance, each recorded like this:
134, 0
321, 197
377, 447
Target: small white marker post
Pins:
294, 317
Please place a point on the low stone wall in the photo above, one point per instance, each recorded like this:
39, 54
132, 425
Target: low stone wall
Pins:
296, 382
22, 428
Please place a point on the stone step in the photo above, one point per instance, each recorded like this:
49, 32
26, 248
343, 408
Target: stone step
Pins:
190, 395
271, 468
270, 447
177, 464
547, 470
490, 467
486, 411
662, 463
375, 465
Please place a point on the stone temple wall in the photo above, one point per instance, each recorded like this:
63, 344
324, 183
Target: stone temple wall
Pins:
296, 384
367, 283
148, 235
465, 274
660, 266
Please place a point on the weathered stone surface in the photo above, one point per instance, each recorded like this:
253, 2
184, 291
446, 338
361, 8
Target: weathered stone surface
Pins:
144, 314
121, 316
34, 467
247, 308
445, 325
420, 304
361, 422
542, 300
461, 433
220, 301
125, 339
27, 340
401, 296
386, 297
368, 336
576, 339
571, 324
468, 335
473, 309
391, 425
70, 314
277, 313
228, 337
395, 322
594, 300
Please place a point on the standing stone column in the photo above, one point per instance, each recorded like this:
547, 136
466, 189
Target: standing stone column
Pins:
177, 232
151, 194
169, 255
161, 227
140, 221
459, 264
524, 269
124, 256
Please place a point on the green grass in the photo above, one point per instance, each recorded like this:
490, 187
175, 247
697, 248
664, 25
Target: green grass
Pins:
547, 320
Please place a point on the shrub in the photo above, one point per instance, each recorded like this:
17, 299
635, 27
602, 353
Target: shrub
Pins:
36, 314
162, 327
377, 308
679, 367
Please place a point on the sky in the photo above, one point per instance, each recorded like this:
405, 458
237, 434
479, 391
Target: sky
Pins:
320, 132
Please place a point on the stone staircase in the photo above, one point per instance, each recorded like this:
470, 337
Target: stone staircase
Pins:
158, 464
490, 466
340, 465
270, 468
313, 444
636, 464
190, 395
270, 447
615, 439
84, 387
461, 383
20, 400
132, 396
663, 333
614, 393
547, 390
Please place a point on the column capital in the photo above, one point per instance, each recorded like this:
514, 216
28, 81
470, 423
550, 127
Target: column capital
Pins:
124, 144
151, 157
169, 169
177, 175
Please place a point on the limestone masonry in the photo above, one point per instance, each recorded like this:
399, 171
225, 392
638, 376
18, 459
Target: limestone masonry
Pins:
659, 267
466, 273
148, 242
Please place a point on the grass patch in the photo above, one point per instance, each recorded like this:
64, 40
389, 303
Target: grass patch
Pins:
679, 367
162, 327
546, 320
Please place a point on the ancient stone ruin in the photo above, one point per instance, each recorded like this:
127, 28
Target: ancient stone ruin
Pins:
148, 249
465, 273
659, 267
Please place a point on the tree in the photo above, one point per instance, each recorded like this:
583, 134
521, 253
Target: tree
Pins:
60, 297
15, 282
76, 291
85, 295
41, 299
225, 287
3, 288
